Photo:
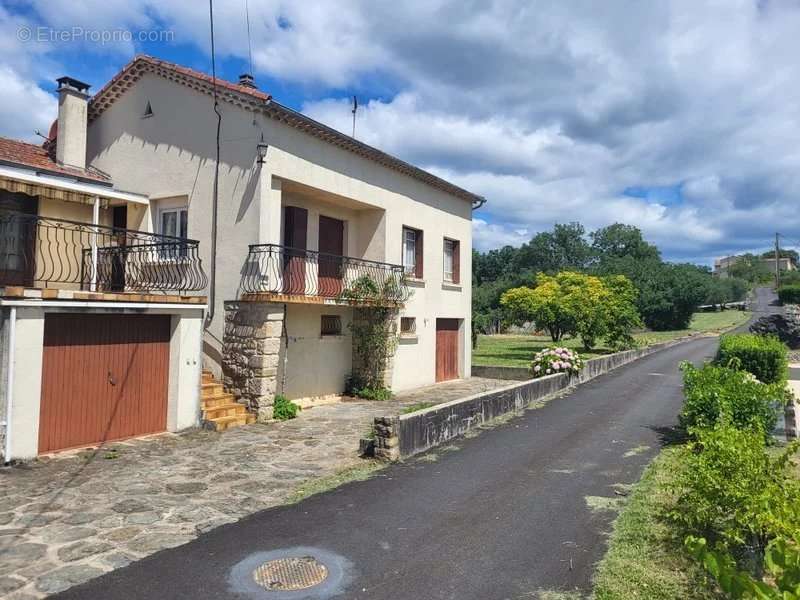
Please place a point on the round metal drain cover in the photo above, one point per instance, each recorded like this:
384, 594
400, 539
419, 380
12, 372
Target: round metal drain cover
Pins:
289, 574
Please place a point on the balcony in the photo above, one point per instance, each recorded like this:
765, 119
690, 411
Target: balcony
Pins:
281, 273
41, 252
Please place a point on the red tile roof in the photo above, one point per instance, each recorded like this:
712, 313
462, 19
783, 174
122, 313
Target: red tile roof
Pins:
257, 100
35, 157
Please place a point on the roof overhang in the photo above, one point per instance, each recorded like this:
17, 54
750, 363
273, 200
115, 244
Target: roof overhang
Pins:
34, 183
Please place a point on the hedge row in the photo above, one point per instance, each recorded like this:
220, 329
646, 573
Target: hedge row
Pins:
765, 356
789, 294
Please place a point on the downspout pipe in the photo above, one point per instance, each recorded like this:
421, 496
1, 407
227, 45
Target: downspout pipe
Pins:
12, 335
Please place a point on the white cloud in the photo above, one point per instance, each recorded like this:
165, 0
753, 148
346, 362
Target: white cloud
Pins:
551, 109
25, 107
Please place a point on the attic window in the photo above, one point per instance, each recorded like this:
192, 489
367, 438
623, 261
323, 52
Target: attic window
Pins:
148, 111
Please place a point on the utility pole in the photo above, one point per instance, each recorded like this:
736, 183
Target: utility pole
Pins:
777, 260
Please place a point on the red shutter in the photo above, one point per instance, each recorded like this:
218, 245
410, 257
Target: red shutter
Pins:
418, 270
456, 261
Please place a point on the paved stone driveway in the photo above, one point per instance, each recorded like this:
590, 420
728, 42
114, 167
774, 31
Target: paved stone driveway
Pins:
68, 519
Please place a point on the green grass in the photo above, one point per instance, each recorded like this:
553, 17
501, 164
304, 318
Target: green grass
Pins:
364, 470
518, 350
416, 407
645, 558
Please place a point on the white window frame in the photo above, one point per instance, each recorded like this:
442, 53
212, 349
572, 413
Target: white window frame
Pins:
178, 210
449, 251
409, 244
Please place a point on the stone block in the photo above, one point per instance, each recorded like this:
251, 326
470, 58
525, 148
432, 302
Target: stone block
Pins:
268, 345
273, 329
261, 386
261, 362
264, 413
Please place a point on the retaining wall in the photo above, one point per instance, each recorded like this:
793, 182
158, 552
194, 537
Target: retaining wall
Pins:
398, 437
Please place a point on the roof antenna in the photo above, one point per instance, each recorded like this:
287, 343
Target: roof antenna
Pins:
355, 108
249, 44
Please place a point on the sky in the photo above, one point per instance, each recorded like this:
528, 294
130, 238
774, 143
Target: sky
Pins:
679, 117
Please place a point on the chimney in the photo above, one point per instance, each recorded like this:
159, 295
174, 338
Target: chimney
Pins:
73, 102
246, 80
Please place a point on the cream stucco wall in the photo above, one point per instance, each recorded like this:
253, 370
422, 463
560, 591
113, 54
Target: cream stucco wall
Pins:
172, 154
316, 365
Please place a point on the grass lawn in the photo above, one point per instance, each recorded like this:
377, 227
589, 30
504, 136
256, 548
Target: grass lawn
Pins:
645, 558
518, 350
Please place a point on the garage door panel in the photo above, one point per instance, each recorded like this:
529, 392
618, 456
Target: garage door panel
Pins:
104, 377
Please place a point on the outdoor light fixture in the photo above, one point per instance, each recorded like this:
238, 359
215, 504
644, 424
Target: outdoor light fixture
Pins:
261, 148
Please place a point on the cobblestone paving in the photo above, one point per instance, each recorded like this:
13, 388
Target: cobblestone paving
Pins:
67, 519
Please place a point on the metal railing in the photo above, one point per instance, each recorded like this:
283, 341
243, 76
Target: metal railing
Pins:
275, 269
40, 251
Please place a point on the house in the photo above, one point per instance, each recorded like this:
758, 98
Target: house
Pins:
310, 229
100, 320
722, 265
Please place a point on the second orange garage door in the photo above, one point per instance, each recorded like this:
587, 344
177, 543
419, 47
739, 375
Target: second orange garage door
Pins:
104, 377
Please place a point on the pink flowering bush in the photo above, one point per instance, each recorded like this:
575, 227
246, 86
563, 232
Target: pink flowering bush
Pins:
556, 360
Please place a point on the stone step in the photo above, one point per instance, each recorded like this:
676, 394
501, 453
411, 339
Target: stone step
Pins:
223, 423
207, 377
218, 400
224, 410
211, 389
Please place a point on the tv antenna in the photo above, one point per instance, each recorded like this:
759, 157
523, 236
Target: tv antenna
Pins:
355, 108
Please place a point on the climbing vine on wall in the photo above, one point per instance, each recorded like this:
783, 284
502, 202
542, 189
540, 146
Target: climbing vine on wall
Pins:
374, 343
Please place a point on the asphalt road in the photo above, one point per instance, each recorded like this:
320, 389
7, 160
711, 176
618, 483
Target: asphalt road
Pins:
505, 515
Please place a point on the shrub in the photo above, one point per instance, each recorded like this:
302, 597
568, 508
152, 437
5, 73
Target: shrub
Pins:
789, 294
283, 408
713, 392
723, 488
358, 387
764, 356
556, 360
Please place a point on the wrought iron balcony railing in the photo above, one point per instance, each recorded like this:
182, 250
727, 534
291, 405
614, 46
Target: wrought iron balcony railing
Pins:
47, 252
278, 269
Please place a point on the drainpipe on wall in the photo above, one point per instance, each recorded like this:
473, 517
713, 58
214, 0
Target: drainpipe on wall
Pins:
12, 329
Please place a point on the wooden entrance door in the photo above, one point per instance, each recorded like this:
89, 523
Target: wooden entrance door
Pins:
17, 238
104, 377
446, 349
331, 249
295, 228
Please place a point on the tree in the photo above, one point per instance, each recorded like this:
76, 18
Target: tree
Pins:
544, 305
549, 252
622, 316
619, 241
578, 304
750, 268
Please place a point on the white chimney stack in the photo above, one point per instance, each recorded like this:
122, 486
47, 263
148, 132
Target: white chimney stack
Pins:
73, 101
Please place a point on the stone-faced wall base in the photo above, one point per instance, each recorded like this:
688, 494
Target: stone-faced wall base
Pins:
387, 441
252, 350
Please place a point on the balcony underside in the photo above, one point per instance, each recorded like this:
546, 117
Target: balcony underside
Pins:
301, 299
13, 292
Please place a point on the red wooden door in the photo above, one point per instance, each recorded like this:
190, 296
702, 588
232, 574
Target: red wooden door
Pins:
446, 349
104, 377
295, 227
331, 249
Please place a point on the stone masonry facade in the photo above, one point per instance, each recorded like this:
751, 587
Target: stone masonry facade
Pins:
252, 348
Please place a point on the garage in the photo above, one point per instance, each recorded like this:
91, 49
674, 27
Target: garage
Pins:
104, 377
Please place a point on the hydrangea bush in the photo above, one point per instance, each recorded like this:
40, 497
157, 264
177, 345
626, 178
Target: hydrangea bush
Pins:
556, 360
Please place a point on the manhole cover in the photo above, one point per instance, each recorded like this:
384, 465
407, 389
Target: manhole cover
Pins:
287, 574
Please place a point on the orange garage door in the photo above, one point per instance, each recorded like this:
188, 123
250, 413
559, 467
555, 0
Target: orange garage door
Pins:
104, 377
447, 349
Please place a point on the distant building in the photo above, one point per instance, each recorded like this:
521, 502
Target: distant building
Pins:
722, 265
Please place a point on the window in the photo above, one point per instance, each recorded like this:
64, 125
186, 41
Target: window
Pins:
408, 325
174, 223
451, 261
331, 325
412, 252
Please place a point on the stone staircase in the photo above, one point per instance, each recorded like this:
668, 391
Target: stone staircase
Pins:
220, 409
